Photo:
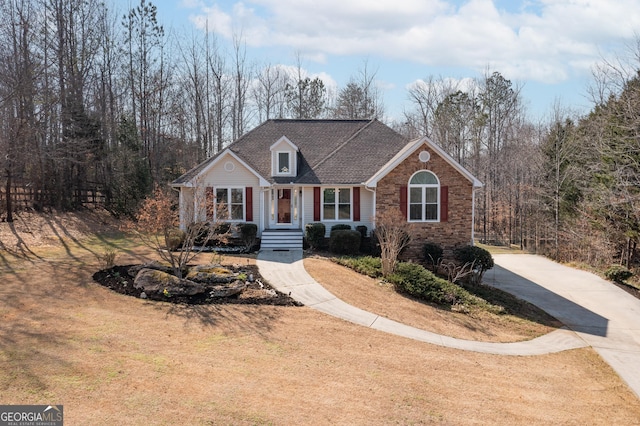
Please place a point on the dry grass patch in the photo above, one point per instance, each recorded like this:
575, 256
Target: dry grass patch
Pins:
112, 359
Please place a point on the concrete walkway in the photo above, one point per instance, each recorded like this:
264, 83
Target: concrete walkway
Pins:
285, 271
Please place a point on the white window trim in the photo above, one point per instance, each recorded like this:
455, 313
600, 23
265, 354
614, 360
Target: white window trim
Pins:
423, 187
278, 172
336, 204
228, 203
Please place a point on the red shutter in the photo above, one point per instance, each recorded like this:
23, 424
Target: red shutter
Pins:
356, 204
444, 203
403, 200
209, 203
316, 203
248, 203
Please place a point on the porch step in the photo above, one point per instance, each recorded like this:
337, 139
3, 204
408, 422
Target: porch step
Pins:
281, 239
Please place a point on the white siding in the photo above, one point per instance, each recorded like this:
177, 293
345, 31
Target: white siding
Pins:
228, 172
186, 207
366, 211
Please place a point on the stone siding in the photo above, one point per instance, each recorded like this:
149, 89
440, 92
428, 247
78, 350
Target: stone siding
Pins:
456, 231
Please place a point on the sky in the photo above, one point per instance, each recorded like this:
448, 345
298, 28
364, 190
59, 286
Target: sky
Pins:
546, 47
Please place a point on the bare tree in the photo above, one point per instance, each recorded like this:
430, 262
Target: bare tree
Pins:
394, 234
360, 98
268, 92
156, 224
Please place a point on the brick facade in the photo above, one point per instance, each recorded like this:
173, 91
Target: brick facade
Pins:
456, 231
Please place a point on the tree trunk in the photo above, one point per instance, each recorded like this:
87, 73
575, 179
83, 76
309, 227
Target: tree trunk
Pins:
8, 193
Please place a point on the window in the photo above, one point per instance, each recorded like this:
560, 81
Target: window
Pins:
284, 166
336, 204
424, 197
233, 201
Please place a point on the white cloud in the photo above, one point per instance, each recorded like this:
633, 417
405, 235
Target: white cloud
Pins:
543, 40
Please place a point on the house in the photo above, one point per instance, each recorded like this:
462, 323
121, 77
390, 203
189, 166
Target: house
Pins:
285, 174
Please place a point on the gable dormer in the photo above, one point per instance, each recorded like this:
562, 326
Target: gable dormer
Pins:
284, 158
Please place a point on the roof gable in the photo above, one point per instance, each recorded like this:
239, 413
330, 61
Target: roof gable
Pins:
189, 179
283, 143
409, 149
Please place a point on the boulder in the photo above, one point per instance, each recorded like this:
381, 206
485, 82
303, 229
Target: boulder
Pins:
133, 271
155, 282
211, 274
228, 290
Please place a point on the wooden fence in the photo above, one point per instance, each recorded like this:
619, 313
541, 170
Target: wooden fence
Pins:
25, 197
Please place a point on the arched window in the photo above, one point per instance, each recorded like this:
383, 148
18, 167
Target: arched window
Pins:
424, 197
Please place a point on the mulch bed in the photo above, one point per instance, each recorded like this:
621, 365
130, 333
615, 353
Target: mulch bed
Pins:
119, 280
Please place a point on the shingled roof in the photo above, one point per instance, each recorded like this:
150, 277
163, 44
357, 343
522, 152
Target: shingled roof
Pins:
330, 151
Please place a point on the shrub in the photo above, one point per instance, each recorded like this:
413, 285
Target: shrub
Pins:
201, 233
479, 257
367, 265
315, 235
432, 254
415, 280
174, 238
222, 228
248, 233
364, 241
344, 241
109, 257
618, 273
341, 227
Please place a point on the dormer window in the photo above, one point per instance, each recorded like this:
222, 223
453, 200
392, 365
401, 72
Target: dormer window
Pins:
284, 158
284, 163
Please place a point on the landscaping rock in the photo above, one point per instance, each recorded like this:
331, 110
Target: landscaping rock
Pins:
161, 283
211, 274
228, 290
133, 271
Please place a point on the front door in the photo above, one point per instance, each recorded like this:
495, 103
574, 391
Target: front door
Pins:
284, 206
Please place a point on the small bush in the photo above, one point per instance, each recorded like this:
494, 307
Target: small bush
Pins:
367, 265
479, 257
109, 257
248, 233
344, 241
618, 273
341, 227
432, 254
362, 230
413, 279
315, 234
174, 238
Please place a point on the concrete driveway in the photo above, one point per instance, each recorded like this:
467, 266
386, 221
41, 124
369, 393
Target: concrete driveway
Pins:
604, 316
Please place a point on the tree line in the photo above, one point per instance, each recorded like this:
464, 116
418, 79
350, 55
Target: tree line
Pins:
93, 96
90, 95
